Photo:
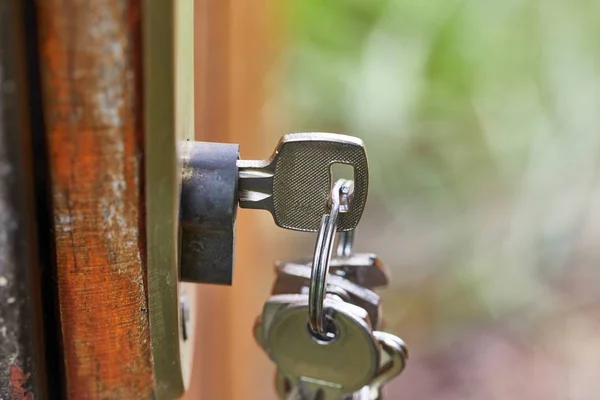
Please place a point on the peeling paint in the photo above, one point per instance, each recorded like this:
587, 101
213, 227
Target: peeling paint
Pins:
18, 384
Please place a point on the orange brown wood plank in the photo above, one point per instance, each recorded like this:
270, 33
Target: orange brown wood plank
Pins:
91, 83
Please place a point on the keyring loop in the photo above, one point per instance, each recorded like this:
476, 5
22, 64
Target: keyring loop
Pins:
345, 244
341, 197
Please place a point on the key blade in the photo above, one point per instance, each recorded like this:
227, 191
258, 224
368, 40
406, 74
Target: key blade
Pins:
255, 184
295, 183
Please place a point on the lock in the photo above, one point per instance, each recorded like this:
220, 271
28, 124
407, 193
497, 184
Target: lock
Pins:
293, 185
209, 197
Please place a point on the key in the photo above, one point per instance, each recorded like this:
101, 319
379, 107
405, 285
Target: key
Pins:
270, 308
340, 366
395, 353
295, 183
292, 278
394, 356
364, 269
288, 392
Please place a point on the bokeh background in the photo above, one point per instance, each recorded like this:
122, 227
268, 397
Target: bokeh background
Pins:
481, 120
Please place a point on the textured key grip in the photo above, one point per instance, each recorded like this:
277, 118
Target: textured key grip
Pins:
303, 179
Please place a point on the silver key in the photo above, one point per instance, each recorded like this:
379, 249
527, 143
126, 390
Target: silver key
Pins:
270, 308
393, 352
262, 324
394, 357
292, 278
396, 354
286, 391
336, 368
295, 183
364, 269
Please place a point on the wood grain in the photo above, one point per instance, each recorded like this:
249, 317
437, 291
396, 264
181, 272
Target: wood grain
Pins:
91, 83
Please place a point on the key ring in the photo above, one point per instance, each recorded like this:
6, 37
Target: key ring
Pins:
340, 201
345, 244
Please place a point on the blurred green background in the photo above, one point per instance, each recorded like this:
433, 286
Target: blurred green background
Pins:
481, 120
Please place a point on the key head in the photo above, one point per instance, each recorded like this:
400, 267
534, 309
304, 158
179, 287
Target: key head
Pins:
364, 269
270, 309
396, 356
292, 278
302, 179
345, 364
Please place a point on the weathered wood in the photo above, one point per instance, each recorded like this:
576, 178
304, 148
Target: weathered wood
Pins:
90, 55
22, 361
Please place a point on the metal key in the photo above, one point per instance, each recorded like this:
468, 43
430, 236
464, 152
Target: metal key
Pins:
397, 353
287, 391
295, 183
262, 324
293, 278
272, 306
270, 309
335, 368
364, 269
394, 356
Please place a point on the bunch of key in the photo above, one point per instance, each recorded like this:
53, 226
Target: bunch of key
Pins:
321, 324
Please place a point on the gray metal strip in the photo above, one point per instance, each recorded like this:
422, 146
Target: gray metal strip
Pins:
168, 28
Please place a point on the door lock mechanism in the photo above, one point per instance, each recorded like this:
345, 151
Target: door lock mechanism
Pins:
293, 185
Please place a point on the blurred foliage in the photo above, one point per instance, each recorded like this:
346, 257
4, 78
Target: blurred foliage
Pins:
482, 123
451, 93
